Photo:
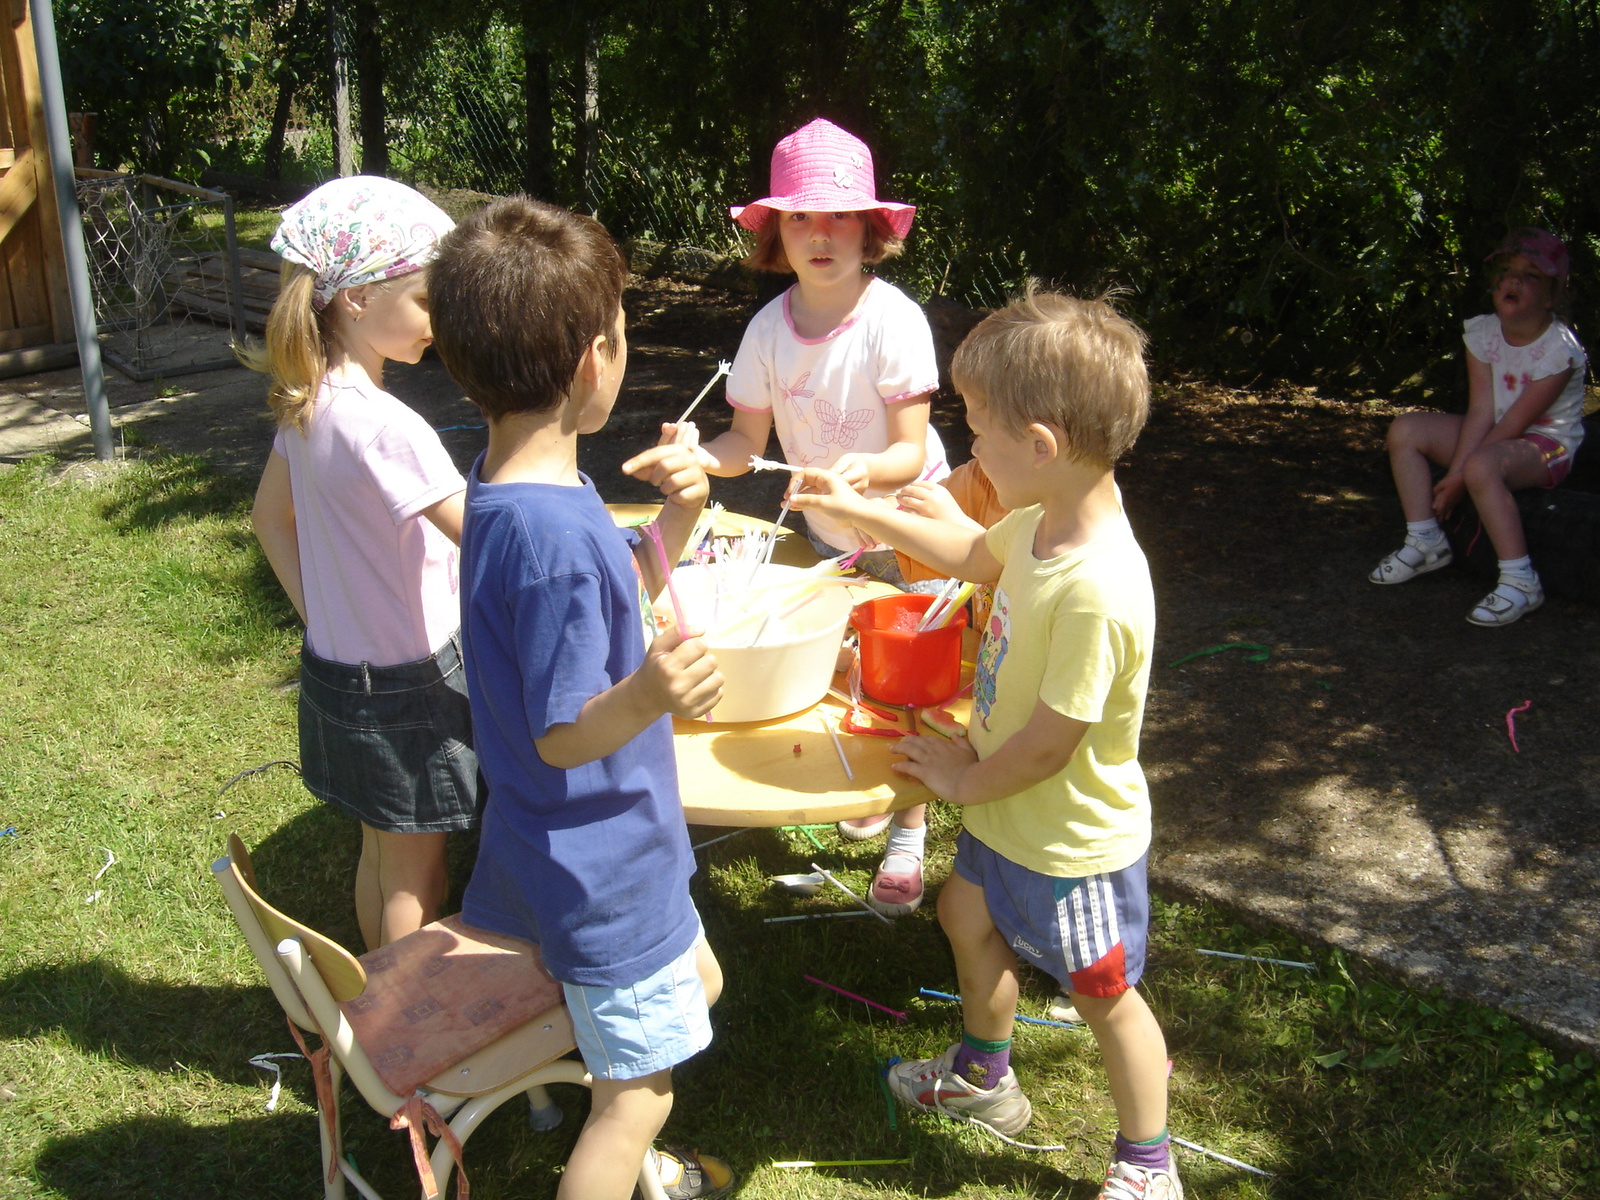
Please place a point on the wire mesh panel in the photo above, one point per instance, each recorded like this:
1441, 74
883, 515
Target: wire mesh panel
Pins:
165, 272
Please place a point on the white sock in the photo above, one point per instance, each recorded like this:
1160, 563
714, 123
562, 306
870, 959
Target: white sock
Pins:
1518, 569
1427, 531
906, 842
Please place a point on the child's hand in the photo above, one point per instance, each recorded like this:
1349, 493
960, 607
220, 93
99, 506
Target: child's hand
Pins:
674, 469
931, 500
680, 676
826, 492
937, 762
1447, 494
683, 433
854, 469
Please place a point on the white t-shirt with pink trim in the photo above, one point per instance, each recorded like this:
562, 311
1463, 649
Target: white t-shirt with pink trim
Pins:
1515, 367
381, 583
829, 396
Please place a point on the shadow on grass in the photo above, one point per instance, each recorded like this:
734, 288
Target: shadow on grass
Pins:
172, 488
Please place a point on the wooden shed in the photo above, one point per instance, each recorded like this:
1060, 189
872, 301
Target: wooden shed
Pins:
36, 330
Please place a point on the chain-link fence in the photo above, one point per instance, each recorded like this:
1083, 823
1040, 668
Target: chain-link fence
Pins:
169, 286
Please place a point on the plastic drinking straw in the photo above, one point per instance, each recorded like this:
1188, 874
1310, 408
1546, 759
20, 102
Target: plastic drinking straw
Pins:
854, 912
1232, 1162
845, 1162
839, 746
757, 463
1511, 724
1281, 962
811, 837
666, 569
940, 599
929, 992
722, 369
895, 1013
772, 538
882, 713
723, 838
963, 594
829, 876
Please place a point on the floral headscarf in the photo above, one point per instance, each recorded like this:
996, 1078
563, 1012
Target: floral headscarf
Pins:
357, 230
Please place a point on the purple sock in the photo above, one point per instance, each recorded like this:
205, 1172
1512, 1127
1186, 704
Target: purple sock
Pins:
984, 1064
1142, 1154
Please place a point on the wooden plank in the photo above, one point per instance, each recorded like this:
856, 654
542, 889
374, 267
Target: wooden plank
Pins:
264, 259
24, 337
19, 49
48, 357
18, 190
221, 313
25, 266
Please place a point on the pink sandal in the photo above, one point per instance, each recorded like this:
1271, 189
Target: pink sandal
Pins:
896, 893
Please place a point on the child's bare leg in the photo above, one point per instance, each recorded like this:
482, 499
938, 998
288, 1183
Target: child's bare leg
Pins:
624, 1118
985, 964
1135, 1055
401, 883
709, 969
1416, 440
1492, 473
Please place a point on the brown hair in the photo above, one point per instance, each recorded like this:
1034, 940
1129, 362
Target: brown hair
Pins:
1076, 365
518, 293
880, 242
296, 352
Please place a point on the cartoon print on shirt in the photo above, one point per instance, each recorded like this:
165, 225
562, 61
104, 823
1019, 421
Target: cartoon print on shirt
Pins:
991, 653
841, 428
793, 395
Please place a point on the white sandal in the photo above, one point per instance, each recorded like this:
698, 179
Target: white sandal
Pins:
1508, 602
1411, 560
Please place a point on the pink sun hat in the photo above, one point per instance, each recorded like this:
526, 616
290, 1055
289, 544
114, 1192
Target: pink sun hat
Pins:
1543, 249
822, 168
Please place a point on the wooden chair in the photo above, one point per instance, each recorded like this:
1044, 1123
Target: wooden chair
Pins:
448, 1020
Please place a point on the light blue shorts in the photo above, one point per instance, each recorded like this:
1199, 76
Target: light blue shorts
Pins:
633, 1031
1089, 933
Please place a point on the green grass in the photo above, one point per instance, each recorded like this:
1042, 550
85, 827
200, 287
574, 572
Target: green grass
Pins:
147, 648
253, 227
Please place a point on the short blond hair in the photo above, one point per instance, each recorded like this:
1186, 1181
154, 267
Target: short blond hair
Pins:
1076, 365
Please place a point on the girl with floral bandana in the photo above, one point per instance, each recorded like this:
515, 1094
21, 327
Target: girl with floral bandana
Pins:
359, 512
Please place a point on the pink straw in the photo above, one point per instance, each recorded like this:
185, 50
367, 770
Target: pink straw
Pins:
1511, 724
666, 570
898, 1016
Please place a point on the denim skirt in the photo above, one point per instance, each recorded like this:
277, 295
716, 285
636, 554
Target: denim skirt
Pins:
391, 746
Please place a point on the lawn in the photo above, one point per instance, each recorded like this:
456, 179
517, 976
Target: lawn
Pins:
150, 652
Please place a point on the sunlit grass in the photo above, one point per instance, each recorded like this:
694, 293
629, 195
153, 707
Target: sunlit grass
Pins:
147, 649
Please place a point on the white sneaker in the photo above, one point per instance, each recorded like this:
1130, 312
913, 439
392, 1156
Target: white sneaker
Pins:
861, 829
933, 1085
1124, 1181
1414, 558
1510, 600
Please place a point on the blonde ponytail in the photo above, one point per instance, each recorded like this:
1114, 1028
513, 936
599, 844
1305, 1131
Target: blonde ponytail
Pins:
296, 352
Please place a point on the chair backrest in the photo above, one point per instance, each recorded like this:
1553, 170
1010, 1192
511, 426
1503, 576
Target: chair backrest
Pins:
264, 927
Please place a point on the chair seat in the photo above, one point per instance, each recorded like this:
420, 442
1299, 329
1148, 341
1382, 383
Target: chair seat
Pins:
439, 1000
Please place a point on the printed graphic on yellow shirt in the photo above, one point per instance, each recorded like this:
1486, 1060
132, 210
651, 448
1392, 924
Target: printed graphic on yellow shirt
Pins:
991, 653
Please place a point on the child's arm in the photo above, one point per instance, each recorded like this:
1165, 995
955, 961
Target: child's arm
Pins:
447, 515
677, 677
673, 468
954, 550
1480, 429
903, 460
272, 518
728, 454
952, 770
935, 501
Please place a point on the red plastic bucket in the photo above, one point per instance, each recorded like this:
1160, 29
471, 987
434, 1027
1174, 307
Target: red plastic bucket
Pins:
899, 665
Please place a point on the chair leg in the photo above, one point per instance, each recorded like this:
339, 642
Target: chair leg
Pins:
472, 1113
332, 1189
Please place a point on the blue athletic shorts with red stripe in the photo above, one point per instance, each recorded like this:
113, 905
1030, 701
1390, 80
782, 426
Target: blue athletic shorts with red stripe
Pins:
1089, 933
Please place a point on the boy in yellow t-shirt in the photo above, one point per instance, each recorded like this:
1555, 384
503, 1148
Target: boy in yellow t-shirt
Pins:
1050, 863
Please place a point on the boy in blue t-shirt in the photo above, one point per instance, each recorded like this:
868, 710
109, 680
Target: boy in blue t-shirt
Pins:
584, 848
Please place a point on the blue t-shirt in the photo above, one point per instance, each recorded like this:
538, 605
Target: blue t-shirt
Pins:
593, 863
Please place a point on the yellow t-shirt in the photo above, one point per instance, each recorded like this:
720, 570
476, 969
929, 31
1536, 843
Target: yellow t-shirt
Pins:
1076, 632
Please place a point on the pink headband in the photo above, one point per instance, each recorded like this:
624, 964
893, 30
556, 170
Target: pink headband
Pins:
1544, 250
821, 168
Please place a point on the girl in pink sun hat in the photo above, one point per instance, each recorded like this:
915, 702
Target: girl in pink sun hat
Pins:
842, 366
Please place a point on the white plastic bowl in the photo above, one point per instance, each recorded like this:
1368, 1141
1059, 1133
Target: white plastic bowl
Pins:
791, 666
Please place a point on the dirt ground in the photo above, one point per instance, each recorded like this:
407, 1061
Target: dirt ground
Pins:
1357, 785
